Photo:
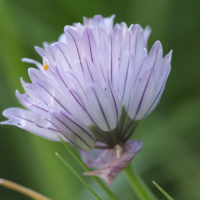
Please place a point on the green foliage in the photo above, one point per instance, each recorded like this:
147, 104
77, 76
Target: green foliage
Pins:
170, 135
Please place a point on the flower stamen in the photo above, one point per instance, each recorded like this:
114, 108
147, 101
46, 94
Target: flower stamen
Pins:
119, 150
45, 66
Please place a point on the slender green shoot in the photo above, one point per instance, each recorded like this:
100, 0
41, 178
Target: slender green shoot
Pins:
138, 185
76, 174
87, 169
162, 191
74, 155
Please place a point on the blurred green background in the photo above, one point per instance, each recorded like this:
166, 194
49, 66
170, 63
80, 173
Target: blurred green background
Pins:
171, 134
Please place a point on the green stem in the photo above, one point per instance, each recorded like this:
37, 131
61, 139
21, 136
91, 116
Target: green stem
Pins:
87, 169
138, 185
161, 190
80, 179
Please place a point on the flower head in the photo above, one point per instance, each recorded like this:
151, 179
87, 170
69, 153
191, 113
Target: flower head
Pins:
93, 86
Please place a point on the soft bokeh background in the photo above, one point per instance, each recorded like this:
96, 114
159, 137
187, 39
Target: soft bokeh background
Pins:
171, 134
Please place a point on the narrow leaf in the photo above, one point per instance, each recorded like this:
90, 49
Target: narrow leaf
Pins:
87, 169
76, 174
163, 192
74, 155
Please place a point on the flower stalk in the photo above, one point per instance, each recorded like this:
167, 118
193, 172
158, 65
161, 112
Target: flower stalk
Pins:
87, 169
76, 174
138, 185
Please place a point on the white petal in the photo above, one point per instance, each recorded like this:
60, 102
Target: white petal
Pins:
140, 95
147, 32
73, 130
73, 98
62, 38
154, 58
160, 85
61, 52
25, 119
32, 103
147, 96
38, 65
35, 74
74, 52
28, 89
137, 43
41, 51
116, 45
50, 95
100, 109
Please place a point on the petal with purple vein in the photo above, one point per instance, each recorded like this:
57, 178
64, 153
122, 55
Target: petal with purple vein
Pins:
24, 119
75, 131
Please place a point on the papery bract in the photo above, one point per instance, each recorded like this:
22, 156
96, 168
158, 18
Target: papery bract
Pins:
107, 163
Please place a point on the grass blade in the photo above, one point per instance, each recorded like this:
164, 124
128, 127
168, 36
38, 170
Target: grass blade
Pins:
87, 169
162, 191
76, 174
